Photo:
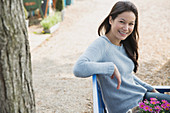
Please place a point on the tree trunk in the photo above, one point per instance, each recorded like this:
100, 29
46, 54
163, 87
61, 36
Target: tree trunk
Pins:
16, 89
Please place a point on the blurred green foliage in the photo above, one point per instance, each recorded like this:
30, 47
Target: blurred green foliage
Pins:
51, 20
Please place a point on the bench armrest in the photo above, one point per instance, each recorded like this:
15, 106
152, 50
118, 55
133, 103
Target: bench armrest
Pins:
162, 89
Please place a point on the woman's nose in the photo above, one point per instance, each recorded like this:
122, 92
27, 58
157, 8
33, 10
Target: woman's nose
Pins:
125, 27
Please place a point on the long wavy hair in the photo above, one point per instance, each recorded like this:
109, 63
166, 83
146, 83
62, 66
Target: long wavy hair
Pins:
131, 42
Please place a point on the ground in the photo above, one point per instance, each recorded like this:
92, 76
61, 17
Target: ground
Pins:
57, 90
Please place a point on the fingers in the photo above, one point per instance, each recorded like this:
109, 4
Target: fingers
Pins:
119, 83
112, 76
118, 79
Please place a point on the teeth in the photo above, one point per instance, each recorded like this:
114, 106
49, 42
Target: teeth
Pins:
122, 32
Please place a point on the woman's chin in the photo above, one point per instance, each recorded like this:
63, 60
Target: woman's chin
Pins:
122, 38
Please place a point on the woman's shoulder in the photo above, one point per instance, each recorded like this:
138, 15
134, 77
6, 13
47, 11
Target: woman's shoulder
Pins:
101, 40
100, 43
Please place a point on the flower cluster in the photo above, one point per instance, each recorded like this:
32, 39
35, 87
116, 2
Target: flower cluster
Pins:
154, 106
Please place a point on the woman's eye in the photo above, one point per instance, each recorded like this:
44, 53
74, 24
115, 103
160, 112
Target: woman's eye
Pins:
121, 21
131, 24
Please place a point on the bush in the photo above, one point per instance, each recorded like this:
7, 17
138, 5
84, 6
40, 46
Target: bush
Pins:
50, 21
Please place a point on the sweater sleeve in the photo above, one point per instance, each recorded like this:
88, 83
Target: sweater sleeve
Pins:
90, 62
142, 83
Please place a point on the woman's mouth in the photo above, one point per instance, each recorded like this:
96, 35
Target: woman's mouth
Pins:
122, 33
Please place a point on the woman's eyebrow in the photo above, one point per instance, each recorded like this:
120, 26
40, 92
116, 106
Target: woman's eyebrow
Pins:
122, 19
125, 20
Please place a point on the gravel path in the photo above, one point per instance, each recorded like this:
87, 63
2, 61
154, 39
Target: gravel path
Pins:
57, 90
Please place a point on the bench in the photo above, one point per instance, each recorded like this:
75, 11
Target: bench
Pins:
98, 104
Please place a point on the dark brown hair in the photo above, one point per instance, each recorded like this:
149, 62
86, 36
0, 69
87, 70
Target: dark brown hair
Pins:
131, 42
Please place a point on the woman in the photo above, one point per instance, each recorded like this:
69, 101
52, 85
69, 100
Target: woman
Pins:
114, 57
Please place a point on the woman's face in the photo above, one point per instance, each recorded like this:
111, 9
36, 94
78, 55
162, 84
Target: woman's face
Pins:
122, 26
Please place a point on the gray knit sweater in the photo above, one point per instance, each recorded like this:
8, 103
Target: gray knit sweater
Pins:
99, 59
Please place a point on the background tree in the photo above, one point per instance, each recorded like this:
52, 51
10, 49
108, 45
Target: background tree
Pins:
16, 90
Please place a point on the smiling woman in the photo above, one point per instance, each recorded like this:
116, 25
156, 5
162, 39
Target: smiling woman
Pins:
127, 14
113, 57
121, 27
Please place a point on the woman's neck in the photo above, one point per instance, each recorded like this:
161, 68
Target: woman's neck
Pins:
113, 40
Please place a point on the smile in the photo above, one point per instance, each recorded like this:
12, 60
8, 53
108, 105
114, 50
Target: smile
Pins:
122, 33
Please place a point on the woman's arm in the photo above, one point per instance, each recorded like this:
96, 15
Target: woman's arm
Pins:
90, 62
145, 85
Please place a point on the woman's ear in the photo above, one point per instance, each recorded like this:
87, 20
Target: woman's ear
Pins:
110, 19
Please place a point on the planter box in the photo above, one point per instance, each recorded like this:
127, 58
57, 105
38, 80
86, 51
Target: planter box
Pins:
52, 29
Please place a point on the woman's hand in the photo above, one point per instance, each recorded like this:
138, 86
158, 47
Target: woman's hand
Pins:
117, 75
155, 91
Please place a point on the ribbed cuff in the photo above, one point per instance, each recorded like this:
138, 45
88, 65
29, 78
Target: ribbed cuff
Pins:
111, 69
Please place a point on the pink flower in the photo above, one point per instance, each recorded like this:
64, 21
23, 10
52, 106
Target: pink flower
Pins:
164, 101
146, 101
141, 105
154, 106
157, 108
153, 102
167, 108
157, 102
146, 108
167, 104
150, 109
153, 99
163, 106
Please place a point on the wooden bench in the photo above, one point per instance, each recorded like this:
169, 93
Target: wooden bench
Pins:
98, 104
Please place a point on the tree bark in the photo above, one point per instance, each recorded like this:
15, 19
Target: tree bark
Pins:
16, 89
